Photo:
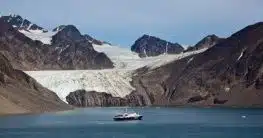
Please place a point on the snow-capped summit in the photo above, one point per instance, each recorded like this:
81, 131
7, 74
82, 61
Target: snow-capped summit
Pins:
29, 29
35, 32
71, 50
20, 23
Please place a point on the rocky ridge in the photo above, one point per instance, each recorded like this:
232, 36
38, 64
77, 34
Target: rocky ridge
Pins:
227, 74
20, 23
206, 42
147, 46
67, 49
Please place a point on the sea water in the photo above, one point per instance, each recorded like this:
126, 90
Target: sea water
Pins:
158, 122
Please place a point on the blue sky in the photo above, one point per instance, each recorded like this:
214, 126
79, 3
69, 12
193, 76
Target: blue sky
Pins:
123, 21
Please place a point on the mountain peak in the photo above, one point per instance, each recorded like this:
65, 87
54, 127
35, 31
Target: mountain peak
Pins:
69, 27
66, 33
146, 36
148, 45
20, 23
211, 37
208, 41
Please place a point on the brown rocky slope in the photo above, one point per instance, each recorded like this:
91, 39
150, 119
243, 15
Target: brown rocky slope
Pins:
228, 74
19, 93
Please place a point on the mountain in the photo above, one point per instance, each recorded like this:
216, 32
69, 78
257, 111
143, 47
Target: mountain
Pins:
147, 46
67, 34
86, 36
206, 42
115, 81
64, 48
227, 74
22, 24
76, 52
19, 93
215, 72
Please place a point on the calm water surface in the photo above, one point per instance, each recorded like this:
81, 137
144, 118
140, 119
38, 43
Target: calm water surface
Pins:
157, 123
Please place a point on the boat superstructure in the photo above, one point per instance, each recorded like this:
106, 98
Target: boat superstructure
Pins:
127, 116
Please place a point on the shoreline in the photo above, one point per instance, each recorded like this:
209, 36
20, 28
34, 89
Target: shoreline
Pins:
33, 113
154, 106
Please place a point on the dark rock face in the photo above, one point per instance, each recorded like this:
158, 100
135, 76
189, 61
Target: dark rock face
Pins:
71, 28
76, 52
82, 98
67, 34
19, 93
153, 46
227, 74
20, 50
19, 23
69, 50
206, 42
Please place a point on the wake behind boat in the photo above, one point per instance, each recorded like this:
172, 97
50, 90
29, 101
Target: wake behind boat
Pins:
127, 116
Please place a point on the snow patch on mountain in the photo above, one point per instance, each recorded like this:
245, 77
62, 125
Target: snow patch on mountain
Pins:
123, 58
241, 55
44, 37
166, 58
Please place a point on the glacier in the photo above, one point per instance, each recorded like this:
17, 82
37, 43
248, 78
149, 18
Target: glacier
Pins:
115, 81
63, 82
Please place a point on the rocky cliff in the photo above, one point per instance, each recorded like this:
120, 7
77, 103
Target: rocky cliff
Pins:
19, 93
228, 74
82, 98
147, 46
74, 51
36, 49
22, 24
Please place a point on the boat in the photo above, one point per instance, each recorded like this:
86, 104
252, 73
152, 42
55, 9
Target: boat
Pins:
127, 117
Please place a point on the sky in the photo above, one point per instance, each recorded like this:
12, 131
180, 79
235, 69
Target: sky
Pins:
121, 22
